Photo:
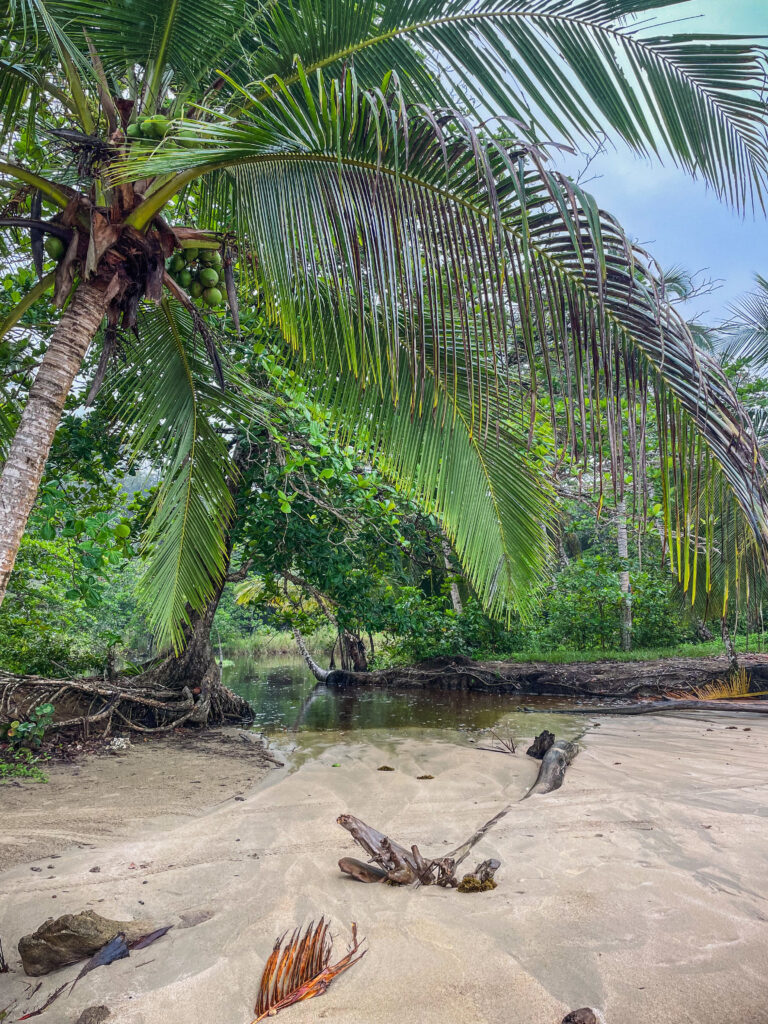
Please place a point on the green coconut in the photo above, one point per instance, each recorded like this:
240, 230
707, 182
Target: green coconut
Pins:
185, 278
212, 297
195, 289
209, 277
156, 127
210, 257
55, 247
191, 255
178, 263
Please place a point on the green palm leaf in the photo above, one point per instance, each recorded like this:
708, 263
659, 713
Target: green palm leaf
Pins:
493, 504
369, 222
168, 411
572, 67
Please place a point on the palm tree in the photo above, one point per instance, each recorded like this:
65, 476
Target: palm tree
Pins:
425, 255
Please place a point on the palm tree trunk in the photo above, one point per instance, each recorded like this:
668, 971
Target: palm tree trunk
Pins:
626, 591
23, 469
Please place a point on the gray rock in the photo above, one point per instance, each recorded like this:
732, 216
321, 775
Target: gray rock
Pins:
71, 938
94, 1015
582, 1016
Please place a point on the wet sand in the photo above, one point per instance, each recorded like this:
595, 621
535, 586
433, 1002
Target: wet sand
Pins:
637, 889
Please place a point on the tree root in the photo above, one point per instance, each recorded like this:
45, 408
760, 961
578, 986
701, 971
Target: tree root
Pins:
142, 704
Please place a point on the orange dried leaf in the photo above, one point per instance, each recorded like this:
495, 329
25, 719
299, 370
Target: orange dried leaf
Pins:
302, 969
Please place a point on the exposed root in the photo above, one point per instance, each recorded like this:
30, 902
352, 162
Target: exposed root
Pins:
139, 703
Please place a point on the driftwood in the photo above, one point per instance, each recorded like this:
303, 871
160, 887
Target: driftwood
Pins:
557, 758
541, 744
396, 865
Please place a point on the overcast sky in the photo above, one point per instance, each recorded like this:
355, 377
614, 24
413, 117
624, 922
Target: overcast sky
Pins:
677, 219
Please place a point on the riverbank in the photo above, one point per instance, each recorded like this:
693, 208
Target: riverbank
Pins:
544, 678
635, 889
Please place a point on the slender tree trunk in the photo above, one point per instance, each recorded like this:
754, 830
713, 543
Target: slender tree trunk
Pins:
730, 650
321, 674
626, 591
23, 469
458, 607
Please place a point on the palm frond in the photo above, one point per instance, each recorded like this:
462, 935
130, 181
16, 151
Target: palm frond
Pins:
180, 39
169, 416
574, 68
369, 221
302, 968
744, 339
493, 505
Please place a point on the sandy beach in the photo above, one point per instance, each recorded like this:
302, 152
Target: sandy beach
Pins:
637, 889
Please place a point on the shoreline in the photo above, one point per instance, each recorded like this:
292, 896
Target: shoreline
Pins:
634, 889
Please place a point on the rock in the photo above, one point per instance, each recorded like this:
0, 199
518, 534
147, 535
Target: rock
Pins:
582, 1016
94, 1015
118, 745
71, 938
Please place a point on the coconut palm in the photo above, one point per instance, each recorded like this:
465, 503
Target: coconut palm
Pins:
343, 151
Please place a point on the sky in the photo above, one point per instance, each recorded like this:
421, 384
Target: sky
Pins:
678, 220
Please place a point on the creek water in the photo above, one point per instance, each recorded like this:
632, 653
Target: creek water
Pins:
285, 700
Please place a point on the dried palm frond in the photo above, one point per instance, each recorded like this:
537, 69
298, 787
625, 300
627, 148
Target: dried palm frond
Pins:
732, 687
302, 969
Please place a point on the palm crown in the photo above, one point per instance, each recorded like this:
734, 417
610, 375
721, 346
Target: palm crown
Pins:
425, 254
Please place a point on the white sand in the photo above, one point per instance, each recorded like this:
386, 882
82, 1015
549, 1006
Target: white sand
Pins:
638, 888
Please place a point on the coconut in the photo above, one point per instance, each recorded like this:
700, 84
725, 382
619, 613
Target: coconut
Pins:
185, 278
56, 248
209, 277
195, 289
133, 131
178, 263
210, 257
212, 297
156, 127
191, 255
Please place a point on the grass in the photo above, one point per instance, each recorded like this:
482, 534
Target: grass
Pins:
707, 649
266, 642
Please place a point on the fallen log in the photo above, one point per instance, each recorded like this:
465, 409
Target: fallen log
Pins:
753, 706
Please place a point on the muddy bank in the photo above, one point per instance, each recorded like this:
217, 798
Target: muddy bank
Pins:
589, 679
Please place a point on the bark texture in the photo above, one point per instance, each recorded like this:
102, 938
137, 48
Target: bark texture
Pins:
624, 581
23, 469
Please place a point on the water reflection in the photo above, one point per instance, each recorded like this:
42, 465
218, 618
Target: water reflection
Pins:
284, 697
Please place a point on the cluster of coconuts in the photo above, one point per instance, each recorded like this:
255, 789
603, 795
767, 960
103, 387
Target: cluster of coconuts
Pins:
198, 272
154, 127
